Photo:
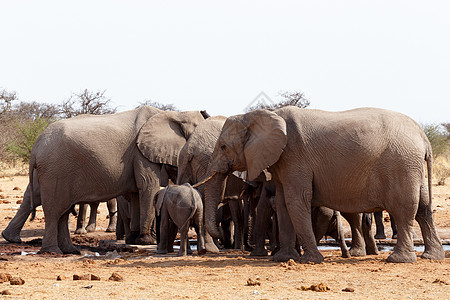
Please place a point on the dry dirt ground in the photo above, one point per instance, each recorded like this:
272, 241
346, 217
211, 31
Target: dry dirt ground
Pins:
229, 275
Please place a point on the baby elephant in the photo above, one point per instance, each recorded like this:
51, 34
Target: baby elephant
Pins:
183, 205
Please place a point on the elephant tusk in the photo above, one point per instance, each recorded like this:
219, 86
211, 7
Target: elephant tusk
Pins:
204, 181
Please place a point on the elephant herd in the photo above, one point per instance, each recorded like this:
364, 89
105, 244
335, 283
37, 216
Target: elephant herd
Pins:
287, 174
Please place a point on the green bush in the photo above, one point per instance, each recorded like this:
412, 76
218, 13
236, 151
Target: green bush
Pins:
437, 136
28, 131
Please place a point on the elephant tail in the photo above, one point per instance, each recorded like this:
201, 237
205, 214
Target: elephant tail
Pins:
429, 160
31, 169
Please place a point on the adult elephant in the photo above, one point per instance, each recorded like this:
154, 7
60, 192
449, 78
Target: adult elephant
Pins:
96, 158
193, 166
360, 160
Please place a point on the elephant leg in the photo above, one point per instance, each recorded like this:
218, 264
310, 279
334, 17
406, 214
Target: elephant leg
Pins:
183, 240
236, 215
393, 226
340, 236
358, 247
120, 229
134, 220
148, 187
12, 231
371, 244
264, 212
404, 249
112, 209
64, 241
81, 219
172, 235
424, 216
299, 212
198, 219
163, 231
378, 215
286, 230
92, 217
210, 246
50, 239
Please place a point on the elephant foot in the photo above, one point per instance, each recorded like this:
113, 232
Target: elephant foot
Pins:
402, 257
394, 236
71, 250
131, 237
146, 239
201, 251
80, 231
12, 238
248, 248
50, 249
435, 254
286, 254
357, 252
211, 248
120, 237
259, 252
311, 257
372, 251
161, 251
111, 228
380, 236
182, 253
346, 254
91, 227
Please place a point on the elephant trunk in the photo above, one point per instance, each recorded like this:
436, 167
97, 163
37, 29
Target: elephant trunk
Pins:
214, 191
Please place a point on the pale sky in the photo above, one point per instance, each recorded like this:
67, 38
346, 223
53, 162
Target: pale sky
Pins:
219, 56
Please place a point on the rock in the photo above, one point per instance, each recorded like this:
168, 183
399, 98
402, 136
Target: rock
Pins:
116, 277
19, 201
61, 277
5, 277
348, 289
112, 255
82, 277
16, 188
321, 287
253, 282
440, 281
5, 202
16, 281
6, 292
95, 277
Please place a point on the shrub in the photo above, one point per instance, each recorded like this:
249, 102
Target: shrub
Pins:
28, 131
437, 136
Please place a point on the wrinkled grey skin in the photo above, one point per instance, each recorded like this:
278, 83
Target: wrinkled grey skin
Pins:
92, 224
193, 164
184, 206
96, 158
12, 231
360, 160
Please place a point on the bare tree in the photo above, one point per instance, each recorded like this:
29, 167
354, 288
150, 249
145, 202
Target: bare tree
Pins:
87, 102
158, 105
6, 100
289, 99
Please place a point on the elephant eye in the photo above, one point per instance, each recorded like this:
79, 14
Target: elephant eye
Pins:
223, 147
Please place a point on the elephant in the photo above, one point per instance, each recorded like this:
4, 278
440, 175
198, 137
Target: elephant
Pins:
93, 158
183, 205
12, 231
325, 222
193, 163
360, 160
92, 224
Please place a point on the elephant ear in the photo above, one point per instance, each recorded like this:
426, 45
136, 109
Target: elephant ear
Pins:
267, 138
163, 135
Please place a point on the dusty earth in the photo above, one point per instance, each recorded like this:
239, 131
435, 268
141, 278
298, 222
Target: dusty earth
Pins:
229, 275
